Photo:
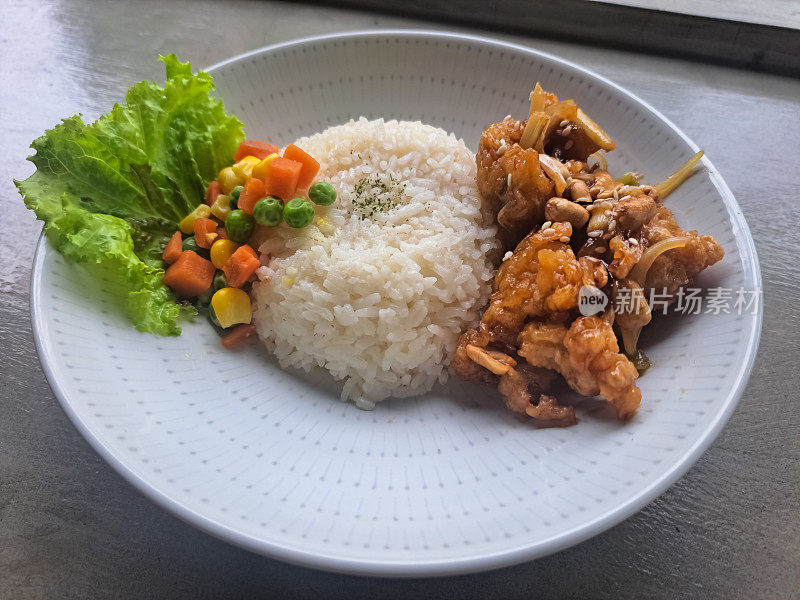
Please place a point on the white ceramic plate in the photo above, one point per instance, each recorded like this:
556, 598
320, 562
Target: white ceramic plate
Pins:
446, 483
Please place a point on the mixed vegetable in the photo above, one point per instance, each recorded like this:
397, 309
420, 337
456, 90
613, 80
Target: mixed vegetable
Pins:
211, 260
112, 193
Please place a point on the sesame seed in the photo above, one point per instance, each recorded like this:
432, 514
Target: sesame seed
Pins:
546, 224
564, 238
600, 249
633, 241
568, 145
506, 117
567, 130
548, 231
508, 179
625, 198
507, 255
595, 233
563, 123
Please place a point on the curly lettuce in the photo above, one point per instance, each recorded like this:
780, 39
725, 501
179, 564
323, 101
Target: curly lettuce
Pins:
111, 192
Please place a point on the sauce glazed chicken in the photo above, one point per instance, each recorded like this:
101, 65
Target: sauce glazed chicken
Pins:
569, 225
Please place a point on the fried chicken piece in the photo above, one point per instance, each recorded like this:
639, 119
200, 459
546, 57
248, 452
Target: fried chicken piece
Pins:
511, 181
588, 357
492, 179
552, 414
517, 384
631, 309
541, 277
461, 363
677, 267
626, 255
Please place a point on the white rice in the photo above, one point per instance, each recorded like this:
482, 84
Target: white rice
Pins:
380, 301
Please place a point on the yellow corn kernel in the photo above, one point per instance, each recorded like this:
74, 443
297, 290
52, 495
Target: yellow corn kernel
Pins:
232, 306
187, 224
228, 179
244, 167
221, 207
221, 251
261, 168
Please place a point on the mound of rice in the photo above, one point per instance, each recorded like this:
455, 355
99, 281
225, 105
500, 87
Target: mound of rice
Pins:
379, 287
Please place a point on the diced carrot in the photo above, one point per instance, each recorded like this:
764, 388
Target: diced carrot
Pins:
281, 176
238, 336
254, 148
253, 192
205, 232
310, 165
212, 192
173, 248
241, 265
190, 275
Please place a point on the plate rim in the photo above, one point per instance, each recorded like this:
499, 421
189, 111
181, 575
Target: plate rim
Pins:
469, 563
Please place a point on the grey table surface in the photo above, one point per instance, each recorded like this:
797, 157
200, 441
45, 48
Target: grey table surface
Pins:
70, 527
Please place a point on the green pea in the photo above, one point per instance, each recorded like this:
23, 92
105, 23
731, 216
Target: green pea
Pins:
220, 281
298, 213
239, 225
190, 244
233, 197
268, 211
322, 193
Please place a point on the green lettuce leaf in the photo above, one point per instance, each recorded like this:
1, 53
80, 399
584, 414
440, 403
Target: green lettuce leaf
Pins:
111, 192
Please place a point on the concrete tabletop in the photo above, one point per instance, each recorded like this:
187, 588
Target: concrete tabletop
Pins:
70, 527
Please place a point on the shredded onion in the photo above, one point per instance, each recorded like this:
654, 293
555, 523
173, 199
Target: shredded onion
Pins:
538, 99
640, 269
598, 221
534, 128
674, 180
554, 168
601, 158
630, 337
593, 132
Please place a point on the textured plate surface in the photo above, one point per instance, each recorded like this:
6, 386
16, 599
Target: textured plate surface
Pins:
445, 483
